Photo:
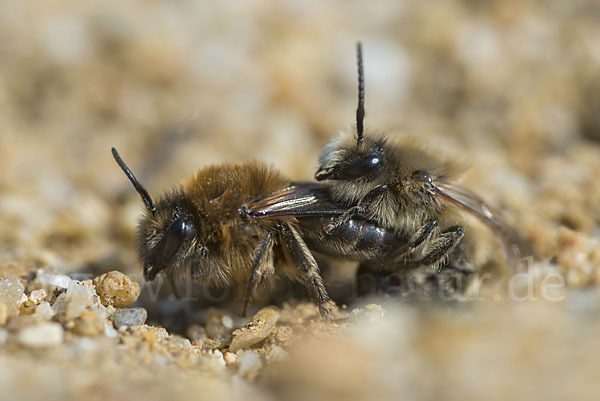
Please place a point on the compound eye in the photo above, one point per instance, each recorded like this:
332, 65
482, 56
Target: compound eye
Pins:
422, 175
174, 238
363, 166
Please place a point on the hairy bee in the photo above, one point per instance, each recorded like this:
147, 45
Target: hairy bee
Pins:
200, 225
403, 186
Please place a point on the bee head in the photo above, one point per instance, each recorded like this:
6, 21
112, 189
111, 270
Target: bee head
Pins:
348, 157
343, 159
165, 232
166, 238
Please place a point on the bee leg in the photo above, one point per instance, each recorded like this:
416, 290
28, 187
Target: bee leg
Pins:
261, 263
422, 234
370, 198
308, 270
416, 239
442, 247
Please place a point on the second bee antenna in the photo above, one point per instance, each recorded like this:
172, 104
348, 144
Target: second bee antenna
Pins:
360, 110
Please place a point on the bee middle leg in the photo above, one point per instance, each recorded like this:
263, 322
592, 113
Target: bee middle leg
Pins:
423, 234
362, 206
441, 248
262, 262
307, 268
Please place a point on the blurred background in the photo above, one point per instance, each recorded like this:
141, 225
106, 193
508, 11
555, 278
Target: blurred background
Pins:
512, 87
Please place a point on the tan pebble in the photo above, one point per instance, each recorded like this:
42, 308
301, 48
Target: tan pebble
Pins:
116, 289
41, 335
261, 325
149, 337
27, 307
88, 324
230, 358
3, 313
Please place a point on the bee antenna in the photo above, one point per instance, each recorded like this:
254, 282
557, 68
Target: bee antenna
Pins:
360, 111
138, 187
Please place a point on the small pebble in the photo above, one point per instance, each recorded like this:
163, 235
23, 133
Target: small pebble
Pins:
230, 358
88, 324
49, 282
41, 335
261, 325
29, 304
85, 288
249, 364
109, 330
58, 281
214, 360
59, 305
129, 317
3, 313
76, 304
11, 293
116, 289
44, 311
38, 296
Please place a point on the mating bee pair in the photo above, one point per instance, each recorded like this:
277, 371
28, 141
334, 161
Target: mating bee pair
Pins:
383, 204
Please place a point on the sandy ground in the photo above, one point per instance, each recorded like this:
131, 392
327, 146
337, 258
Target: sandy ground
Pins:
510, 87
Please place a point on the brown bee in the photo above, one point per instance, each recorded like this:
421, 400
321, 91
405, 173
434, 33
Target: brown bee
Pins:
405, 187
201, 225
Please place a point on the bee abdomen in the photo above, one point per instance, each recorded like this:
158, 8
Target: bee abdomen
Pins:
355, 239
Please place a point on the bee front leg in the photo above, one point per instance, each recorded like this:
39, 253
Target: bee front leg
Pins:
308, 270
441, 247
262, 263
370, 198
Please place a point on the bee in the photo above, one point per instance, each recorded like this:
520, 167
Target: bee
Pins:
200, 225
405, 187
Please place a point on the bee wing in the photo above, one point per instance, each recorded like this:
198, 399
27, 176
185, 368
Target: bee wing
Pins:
512, 244
298, 200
